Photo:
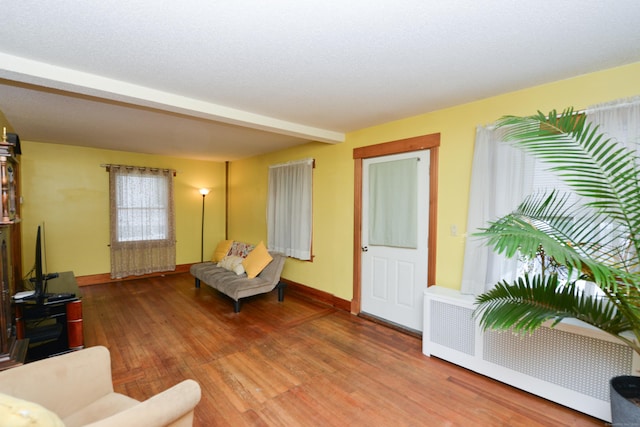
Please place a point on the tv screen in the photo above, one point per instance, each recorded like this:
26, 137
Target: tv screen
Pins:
39, 279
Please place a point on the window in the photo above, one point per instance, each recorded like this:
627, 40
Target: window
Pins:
502, 176
544, 181
142, 220
289, 208
393, 188
142, 209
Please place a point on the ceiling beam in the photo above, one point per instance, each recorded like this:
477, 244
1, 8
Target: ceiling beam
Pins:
24, 70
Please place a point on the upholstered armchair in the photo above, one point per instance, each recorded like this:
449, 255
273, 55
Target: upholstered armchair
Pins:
76, 389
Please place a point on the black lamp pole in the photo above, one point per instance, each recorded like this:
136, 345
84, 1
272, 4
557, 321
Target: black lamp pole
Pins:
204, 192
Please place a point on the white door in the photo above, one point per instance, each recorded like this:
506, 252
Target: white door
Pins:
395, 219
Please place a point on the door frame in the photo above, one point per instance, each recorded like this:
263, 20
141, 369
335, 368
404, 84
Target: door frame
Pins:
429, 142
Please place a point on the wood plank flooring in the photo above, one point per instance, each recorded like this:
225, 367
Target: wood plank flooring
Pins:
296, 363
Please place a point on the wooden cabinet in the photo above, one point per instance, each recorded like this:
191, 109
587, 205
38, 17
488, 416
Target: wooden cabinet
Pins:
10, 242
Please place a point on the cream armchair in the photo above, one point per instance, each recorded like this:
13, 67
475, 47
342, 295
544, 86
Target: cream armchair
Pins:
77, 388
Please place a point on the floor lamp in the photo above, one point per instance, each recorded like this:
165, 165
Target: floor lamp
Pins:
204, 192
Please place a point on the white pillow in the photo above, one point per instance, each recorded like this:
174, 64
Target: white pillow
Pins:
232, 263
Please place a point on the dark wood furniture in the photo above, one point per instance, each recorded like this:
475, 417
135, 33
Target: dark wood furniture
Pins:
11, 350
53, 324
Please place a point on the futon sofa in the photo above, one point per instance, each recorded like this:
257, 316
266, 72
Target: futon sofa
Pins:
241, 270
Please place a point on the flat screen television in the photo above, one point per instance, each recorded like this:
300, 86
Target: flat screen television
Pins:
40, 278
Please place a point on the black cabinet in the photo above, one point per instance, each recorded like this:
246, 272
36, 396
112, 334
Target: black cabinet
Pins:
52, 324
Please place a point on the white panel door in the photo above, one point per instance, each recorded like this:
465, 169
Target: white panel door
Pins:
394, 278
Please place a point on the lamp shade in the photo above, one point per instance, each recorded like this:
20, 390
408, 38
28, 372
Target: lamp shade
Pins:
204, 191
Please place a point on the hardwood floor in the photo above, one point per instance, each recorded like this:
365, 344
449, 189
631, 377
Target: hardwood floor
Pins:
296, 363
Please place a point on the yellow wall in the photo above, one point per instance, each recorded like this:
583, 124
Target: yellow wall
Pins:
4, 123
65, 187
332, 268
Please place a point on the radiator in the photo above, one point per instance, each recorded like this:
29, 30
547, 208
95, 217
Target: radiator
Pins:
570, 364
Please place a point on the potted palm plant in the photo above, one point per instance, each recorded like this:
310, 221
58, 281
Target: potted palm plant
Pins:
594, 240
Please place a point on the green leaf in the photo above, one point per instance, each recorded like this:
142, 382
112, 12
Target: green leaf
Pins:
526, 304
597, 239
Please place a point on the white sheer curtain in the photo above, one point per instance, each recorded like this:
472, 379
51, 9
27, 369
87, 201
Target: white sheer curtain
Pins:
501, 177
393, 203
289, 208
142, 221
619, 119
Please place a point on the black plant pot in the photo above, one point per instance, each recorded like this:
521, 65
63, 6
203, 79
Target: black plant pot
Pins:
625, 401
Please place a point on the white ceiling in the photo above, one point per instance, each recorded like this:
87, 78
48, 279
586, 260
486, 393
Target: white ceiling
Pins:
223, 80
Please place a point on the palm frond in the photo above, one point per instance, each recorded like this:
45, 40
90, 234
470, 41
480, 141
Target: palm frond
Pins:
526, 304
567, 232
597, 168
596, 238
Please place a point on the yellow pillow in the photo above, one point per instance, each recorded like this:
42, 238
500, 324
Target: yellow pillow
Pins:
18, 413
256, 261
221, 250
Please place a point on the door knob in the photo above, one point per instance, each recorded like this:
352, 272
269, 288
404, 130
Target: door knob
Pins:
365, 249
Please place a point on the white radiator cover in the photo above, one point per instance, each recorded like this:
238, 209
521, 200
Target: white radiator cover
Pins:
570, 364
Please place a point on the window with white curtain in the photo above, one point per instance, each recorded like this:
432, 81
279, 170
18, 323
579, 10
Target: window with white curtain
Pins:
142, 207
289, 208
392, 189
142, 220
502, 176
619, 120
545, 181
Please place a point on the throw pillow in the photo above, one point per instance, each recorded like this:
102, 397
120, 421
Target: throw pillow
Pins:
239, 269
232, 263
257, 260
240, 249
17, 412
222, 250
